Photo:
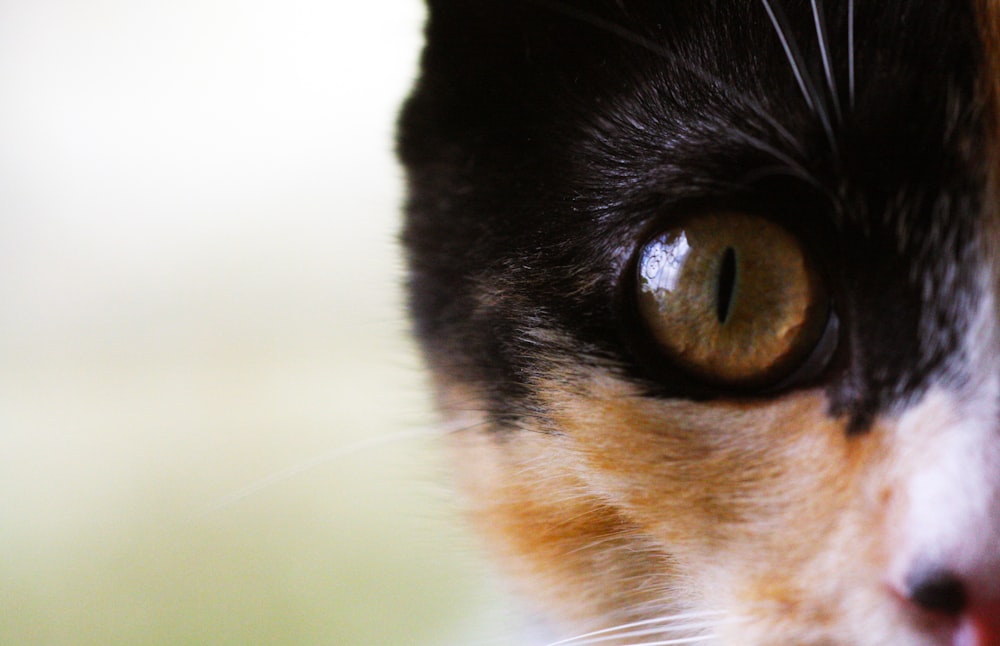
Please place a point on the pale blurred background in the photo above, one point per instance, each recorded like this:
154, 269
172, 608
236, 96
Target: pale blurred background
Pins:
213, 428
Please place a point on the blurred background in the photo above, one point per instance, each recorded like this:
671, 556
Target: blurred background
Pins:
213, 428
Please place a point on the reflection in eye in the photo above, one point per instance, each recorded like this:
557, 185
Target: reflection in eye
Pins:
661, 270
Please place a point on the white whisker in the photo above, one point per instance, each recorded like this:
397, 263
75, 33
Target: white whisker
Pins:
790, 53
797, 63
792, 166
850, 49
663, 621
824, 50
307, 465
676, 642
660, 630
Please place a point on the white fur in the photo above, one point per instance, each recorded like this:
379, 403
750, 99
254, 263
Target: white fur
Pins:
949, 464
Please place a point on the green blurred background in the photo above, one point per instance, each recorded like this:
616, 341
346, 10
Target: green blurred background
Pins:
213, 428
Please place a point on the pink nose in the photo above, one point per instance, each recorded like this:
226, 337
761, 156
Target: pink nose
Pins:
980, 626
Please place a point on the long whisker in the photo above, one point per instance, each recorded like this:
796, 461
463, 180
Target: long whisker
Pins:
676, 642
648, 632
795, 169
850, 50
824, 49
791, 53
305, 466
795, 59
639, 624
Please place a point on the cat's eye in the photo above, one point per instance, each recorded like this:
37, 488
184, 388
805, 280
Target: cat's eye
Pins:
732, 298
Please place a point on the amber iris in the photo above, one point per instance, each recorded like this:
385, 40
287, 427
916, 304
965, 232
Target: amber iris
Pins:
732, 298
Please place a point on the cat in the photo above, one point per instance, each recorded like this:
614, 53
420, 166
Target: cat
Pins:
710, 288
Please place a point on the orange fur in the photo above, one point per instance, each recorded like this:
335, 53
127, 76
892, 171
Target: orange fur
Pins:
772, 506
562, 541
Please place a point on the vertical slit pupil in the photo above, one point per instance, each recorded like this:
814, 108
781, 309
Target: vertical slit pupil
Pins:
727, 285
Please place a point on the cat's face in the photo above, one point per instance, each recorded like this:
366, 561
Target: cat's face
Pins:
711, 289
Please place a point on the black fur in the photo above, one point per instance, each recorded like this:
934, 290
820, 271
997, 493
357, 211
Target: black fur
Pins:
546, 139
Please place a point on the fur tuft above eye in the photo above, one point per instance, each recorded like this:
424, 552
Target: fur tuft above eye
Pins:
732, 298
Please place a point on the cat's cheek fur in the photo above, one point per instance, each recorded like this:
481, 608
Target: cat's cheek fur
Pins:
721, 485
620, 505
566, 546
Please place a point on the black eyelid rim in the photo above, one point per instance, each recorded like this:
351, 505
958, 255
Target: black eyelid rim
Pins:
817, 361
